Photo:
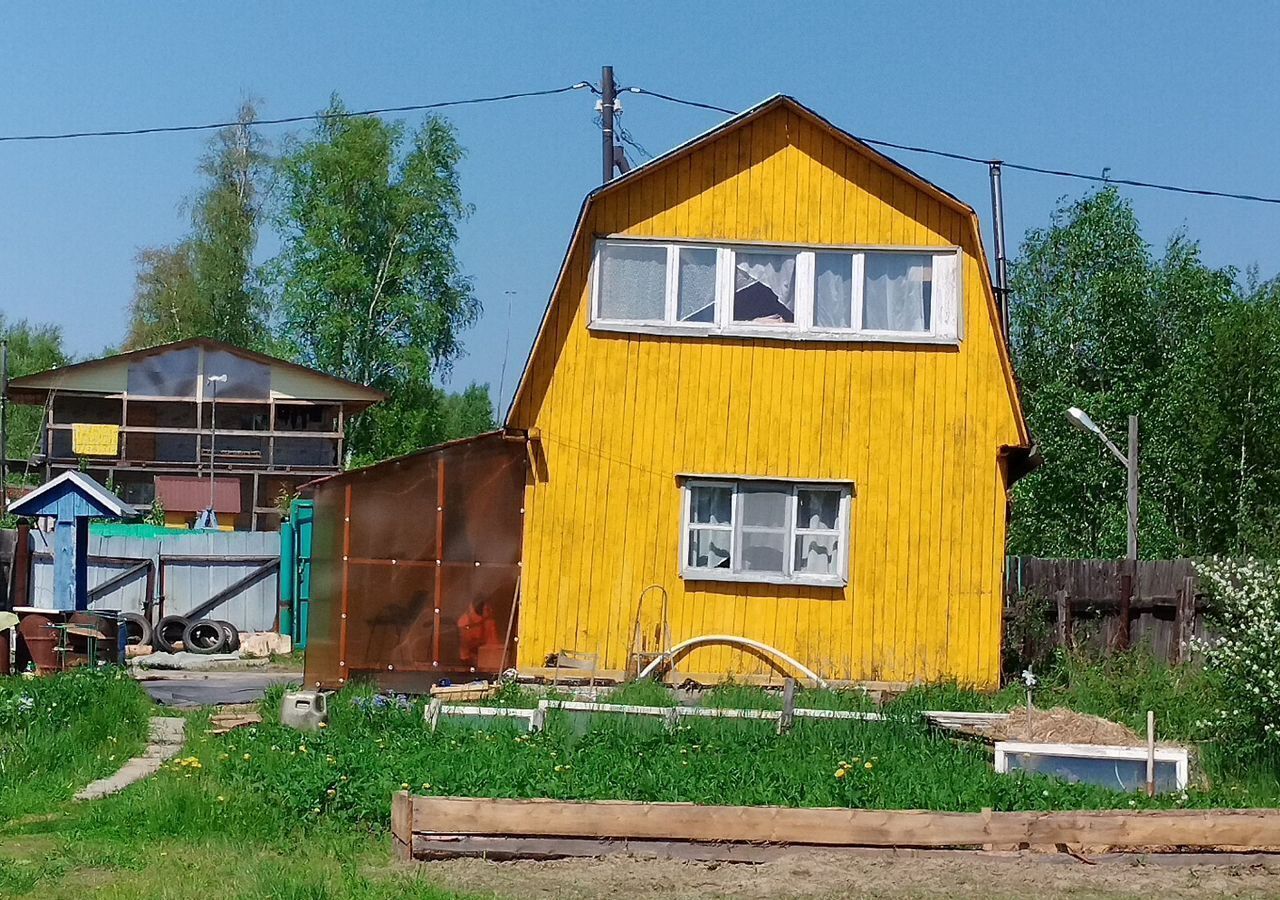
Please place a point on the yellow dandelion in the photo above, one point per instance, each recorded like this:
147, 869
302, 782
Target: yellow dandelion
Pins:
248, 756
331, 792
840, 773
845, 765
404, 785
867, 765
220, 799
302, 748
323, 725
426, 786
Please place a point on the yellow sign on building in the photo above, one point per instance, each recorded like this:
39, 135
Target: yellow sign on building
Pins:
95, 440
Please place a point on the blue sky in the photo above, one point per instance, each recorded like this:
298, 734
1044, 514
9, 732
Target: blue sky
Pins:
1174, 92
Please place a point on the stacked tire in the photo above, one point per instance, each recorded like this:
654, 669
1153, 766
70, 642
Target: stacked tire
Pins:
202, 636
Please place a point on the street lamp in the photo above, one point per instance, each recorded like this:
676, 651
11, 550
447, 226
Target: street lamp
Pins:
1129, 460
209, 518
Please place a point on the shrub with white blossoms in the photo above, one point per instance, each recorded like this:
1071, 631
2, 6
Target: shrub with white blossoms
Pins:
1244, 653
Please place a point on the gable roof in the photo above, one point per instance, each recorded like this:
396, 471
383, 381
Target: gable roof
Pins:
43, 500
32, 387
742, 119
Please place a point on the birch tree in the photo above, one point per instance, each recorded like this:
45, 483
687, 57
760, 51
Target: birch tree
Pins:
369, 284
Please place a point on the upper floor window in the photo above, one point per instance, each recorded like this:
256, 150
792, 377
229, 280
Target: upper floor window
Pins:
815, 293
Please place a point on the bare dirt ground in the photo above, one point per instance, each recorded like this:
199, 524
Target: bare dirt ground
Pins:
817, 875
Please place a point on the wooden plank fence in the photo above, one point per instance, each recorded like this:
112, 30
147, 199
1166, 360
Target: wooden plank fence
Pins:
1103, 605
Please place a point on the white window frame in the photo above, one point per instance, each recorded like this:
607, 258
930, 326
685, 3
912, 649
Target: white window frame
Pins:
1177, 756
735, 527
945, 320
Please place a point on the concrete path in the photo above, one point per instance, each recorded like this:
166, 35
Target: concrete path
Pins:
189, 689
167, 734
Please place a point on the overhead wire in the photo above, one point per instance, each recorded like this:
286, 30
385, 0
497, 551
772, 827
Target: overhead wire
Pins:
1021, 167
288, 120
696, 104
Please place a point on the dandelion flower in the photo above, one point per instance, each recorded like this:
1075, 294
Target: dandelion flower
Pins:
426, 786
404, 785
1044, 793
867, 765
323, 725
330, 793
840, 773
220, 799
248, 757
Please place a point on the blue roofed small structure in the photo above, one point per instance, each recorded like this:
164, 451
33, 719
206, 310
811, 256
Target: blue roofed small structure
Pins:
72, 499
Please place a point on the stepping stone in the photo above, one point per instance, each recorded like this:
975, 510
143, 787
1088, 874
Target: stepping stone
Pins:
166, 736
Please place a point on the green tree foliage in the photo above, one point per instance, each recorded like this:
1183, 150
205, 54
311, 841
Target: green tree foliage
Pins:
32, 348
207, 284
429, 416
370, 287
1100, 322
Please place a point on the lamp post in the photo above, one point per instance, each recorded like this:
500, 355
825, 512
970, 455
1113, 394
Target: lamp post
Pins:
1129, 460
210, 518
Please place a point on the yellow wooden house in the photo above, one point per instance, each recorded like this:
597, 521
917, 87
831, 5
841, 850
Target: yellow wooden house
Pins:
770, 398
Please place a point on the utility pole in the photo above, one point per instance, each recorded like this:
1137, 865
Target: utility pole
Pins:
1131, 548
608, 104
1002, 263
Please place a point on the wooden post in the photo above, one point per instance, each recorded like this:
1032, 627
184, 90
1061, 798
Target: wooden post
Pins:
1126, 600
788, 705
22, 566
1063, 601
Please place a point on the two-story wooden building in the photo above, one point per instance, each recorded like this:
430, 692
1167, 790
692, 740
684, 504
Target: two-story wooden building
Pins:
771, 380
154, 422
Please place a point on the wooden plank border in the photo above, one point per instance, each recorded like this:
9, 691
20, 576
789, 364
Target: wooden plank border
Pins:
433, 820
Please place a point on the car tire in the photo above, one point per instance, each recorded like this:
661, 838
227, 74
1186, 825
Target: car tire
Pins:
137, 629
233, 636
169, 631
205, 636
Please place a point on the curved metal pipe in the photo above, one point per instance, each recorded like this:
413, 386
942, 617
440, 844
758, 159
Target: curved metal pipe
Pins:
669, 656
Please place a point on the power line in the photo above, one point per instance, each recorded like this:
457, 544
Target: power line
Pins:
287, 120
1022, 167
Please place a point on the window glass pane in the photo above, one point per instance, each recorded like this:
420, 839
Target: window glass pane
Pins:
696, 298
898, 292
816, 554
709, 548
764, 288
763, 551
633, 282
710, 505
817, 509
833, 290
763, 506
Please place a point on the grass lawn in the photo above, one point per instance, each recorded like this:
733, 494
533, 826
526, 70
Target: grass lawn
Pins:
269, 812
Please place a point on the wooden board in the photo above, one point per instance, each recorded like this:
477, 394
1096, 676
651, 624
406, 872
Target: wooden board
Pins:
440, 817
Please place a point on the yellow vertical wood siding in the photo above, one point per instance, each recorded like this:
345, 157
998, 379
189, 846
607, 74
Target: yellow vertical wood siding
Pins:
916, 428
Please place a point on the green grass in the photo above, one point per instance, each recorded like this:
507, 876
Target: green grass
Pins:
276, 813
58, 734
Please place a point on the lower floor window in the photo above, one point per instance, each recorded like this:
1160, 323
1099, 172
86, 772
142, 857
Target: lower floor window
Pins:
761, 530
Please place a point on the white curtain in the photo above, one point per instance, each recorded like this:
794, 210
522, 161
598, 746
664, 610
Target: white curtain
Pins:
898, 292
633, 282
833, 290
773, 270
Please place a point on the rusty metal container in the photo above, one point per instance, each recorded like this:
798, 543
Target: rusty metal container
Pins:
40, 640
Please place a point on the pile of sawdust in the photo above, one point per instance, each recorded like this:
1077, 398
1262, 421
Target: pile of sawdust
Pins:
1065, 726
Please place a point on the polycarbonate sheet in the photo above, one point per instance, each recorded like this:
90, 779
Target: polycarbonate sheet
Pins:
172, 373
393, 632
247, 379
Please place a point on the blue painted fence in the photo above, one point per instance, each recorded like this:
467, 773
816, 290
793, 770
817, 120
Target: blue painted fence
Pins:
215, 560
